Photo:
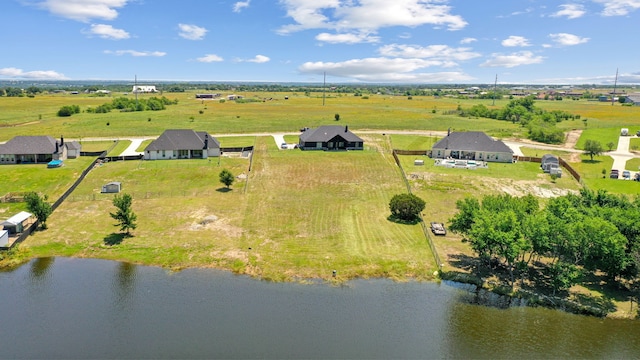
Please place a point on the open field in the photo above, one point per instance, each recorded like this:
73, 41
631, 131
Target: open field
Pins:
303, 215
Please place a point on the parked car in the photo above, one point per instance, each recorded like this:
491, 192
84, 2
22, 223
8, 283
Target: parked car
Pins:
636, 177
284, 146
614, 174
626, 175
438, 228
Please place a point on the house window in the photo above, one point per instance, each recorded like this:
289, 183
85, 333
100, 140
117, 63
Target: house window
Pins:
163, 153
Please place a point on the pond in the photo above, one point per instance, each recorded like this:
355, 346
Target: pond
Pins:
78, 308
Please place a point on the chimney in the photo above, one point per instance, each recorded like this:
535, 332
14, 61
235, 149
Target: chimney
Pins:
57, 148
346, 128
61, 140
449, 132
206, 141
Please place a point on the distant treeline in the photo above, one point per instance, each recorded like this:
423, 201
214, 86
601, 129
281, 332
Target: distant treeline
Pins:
488, 91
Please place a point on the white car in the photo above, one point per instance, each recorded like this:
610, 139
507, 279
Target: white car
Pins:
284, 146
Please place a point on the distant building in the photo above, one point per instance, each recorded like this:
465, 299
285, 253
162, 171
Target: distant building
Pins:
144, 89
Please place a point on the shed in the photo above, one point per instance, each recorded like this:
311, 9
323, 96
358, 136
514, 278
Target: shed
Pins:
548, 162
112, 187
4, 238
15, 224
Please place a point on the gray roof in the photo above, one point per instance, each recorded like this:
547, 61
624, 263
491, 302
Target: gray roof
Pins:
17, 218
73, 145
472, 141
549, 157
183, 140
28, 145
327, 132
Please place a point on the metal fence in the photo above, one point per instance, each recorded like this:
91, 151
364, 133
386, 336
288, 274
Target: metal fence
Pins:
425, 230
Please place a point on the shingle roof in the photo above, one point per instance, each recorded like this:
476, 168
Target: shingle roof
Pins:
472, 141
27, 145
328, 132
183, 140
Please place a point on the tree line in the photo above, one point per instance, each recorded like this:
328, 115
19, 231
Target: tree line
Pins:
540, 123
558, 245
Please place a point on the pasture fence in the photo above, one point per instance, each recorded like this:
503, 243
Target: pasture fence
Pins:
425, 230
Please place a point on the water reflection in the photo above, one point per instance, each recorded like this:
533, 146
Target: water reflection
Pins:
40, 267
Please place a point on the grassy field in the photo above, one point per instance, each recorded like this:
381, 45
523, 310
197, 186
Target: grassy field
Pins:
303, 214
37, 177
37, 116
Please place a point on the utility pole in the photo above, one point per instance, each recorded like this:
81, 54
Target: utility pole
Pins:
324, 87
615, 85
495, 85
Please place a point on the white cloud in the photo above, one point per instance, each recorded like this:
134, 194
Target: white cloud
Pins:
384, 69
368, 15
512, 60
618, 7
571, 11
443, 53
192, 32
468, 40
513, 41
237, 7
84, 10
210, 58
347, 38
108, 32
259, 59
136, 53
16, 73
565, 39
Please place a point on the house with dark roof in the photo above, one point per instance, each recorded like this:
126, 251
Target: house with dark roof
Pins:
182, 144
330, 137
33, 150
472, 145
633, 99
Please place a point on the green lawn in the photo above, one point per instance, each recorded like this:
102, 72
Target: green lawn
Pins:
37, 177
303, 214
120, 146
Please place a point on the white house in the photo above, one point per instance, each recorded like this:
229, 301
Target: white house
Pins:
144, 89
182, 144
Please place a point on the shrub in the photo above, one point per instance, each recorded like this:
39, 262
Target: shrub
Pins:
406, 207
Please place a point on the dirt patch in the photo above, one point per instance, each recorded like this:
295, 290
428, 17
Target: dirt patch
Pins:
572, 139
526, 187
203, 221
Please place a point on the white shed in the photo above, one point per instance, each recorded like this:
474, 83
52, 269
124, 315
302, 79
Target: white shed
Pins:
15, 224
4, 238
112, 187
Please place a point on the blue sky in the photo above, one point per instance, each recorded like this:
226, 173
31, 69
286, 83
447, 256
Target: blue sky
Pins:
366, 41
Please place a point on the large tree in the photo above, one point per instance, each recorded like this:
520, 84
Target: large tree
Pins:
39, 207
593, 148
406, 207
124, 215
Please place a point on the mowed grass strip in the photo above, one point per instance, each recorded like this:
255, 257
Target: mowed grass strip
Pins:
304, 214
315, 211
